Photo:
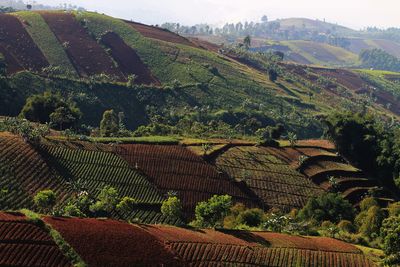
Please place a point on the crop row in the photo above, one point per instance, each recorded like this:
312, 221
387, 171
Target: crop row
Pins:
176, 168
96, 169
25, 244
25, 173
198, 254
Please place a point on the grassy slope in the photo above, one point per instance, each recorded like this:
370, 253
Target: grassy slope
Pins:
342, 56
45, 40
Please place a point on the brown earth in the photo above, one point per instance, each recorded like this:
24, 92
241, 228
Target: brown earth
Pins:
86, 54
128, 60
18, 47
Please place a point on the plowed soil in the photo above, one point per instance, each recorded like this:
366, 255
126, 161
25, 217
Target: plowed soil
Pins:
25, 244
128, 60
21, 50
160, 34
86, 54
112, 243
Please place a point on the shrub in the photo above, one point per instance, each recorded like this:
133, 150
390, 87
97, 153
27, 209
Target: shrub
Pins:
45, 200
72, 210
367, 203
394, 209
390, 232
372, 222
346, 226
106, 201
172, 208
127, 204
211, 213
326, 224
327, 207
251, 217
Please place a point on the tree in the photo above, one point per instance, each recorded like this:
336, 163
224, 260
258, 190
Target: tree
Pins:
50, 107
327, 207
211, 213
264, 19
45, 200
65, 117
247, 42
172, 208
251, 217
106, 202
127, 205
109, 124
3, 65
390, 233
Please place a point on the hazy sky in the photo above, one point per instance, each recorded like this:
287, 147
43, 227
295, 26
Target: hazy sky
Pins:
352, 13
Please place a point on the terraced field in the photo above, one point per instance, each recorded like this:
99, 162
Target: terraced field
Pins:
112, 243
173, 167
212, 248
23, 243
273, 180
94, 169
25, 173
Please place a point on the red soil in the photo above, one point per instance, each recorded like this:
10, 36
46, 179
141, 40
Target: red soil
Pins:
173, 167
21, 50
112, 243
128, 60
209, 247
160, 34
204, 44
25, 244
86, 54
30, 171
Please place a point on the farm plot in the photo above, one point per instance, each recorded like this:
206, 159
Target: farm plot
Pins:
209, 248
87, 56
93, 170
160, 34
128, 60
25, 173
173, 167
21, 49
271, 179
45, 40
316, 168
23, 243
112, 243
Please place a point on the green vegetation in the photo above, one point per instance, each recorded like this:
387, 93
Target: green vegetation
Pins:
46, 41
212, 212
51, 108
172, 208
109, 124
106, 202
3, 65
327, 207
45, 200
379, 59
30, 133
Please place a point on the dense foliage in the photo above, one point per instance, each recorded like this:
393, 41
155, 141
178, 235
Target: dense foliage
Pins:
379, 59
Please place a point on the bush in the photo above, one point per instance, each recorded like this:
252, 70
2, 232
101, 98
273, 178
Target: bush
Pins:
346, 226
251, 217
211, 213
127, 204
45, 200
394, 209
72, 210
109, 124
372, 222
172, 208
327, 207
390, 233
106, 202
367, 203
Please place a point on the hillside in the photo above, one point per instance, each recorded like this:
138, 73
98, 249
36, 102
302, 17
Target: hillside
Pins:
148, 245
172, 75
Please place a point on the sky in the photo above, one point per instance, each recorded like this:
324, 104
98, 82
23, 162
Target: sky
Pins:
356, 14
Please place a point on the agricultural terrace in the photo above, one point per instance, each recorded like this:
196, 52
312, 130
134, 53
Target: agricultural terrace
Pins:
44, 38
334, 173
94, 169
80, 47
210, 247
24, 173
271, 179
175, 168
23, 243
18, 47
120, 244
